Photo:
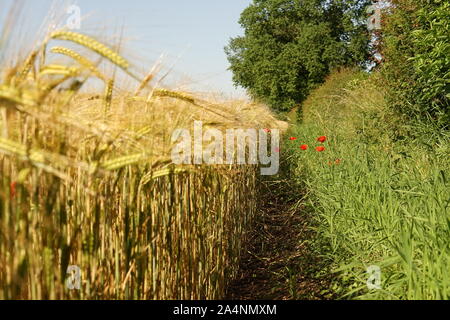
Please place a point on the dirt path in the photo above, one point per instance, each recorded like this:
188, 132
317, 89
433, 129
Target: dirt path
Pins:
280, 263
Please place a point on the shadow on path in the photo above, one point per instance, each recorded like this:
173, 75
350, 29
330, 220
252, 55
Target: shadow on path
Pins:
280, 262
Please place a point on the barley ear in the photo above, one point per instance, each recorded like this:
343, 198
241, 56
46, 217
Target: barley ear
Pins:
108, 95
92, 44
86, 63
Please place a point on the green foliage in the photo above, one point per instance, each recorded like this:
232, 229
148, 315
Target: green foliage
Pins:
416, 48
290, 46
385, 203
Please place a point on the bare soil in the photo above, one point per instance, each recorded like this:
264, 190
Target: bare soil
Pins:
280, 262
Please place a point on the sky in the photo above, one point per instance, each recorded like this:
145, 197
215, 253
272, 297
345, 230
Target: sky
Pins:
191, 34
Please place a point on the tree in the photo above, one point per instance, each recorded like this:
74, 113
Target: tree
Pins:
290, 46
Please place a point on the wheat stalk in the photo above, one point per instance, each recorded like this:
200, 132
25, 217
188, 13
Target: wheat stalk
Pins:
92, 44
59, 70
35, 157
121, 162
86, 63
161, 173
27, 67
15, 97
173, 94
108, 95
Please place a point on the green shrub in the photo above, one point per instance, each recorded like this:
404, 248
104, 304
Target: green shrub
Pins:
416, 49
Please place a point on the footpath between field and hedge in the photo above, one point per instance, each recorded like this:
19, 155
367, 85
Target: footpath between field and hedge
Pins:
361, 210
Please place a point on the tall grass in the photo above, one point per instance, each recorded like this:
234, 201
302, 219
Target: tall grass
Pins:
380, 190
86, 179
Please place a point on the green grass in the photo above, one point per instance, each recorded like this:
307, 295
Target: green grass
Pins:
387, 202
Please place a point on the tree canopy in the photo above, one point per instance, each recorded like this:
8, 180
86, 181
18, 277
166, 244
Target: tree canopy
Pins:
290, 46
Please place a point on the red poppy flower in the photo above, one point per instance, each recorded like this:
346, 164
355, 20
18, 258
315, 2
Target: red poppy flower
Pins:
320, 149
292, 138
322, 139
267, 130
13, 189
304, 147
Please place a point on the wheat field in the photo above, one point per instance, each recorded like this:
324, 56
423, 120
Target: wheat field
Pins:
86, 179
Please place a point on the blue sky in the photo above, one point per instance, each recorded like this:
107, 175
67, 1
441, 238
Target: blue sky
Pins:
191, 33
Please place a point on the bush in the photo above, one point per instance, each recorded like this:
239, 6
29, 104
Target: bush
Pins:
416, 49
